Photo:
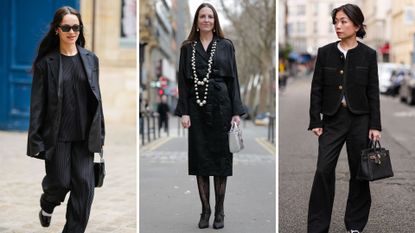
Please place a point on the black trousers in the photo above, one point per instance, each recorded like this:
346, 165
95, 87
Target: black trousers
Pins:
70, 169
164, 121
343, 127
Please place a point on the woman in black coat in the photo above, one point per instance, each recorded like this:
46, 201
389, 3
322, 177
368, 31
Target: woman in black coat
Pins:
209, 101
345, 91
66, 119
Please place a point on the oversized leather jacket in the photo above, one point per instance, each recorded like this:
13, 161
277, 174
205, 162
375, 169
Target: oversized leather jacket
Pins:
46, 105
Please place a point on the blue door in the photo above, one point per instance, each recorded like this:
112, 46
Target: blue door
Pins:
23, 24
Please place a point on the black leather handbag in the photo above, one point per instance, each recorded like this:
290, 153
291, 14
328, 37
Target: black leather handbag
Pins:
375, 163
99, 170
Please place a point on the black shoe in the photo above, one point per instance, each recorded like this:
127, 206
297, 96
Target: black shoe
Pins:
44, 220
204, 219
219, 221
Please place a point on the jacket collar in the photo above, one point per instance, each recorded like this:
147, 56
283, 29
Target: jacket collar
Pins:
359, 44
87, 62
53, 59
200, 50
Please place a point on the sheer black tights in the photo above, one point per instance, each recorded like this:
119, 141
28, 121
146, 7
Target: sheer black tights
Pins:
203, 186
220, 189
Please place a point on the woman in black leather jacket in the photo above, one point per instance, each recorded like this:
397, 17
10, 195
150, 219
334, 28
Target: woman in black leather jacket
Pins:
66, 119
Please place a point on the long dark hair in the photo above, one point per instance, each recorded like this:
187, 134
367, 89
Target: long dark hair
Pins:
217, 30
355, 15
51, 41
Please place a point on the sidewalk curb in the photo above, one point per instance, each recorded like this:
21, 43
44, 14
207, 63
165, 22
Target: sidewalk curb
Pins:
155, 144
266, 145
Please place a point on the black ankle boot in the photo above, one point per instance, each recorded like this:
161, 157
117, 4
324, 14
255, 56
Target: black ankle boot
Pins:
204, 219
219, 221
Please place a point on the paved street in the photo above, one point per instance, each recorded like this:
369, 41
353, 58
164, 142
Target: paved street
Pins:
393, 199
114, 206
169, 199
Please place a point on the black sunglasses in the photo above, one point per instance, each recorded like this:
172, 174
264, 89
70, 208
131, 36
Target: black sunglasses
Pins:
67, 28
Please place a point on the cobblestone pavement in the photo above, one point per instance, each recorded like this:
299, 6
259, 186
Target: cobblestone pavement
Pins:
114, 206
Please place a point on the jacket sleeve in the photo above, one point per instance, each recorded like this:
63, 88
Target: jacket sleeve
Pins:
100, 103
182, 107
38, 102
373, 94
316, 95
234, 88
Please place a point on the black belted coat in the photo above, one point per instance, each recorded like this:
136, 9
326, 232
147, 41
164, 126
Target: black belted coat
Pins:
46, 104
208, 135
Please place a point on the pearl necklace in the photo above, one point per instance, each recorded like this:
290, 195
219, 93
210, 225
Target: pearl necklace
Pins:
205, 81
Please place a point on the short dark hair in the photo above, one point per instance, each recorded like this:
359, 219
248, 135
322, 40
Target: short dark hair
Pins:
355, 15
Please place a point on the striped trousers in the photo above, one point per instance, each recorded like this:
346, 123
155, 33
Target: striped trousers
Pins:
70, 169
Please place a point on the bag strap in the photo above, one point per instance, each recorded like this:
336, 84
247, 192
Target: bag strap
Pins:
370, 144
377, 145
101, 155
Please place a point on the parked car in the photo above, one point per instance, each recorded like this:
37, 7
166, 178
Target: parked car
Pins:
386, 83
262, 118
396, 81
407, 90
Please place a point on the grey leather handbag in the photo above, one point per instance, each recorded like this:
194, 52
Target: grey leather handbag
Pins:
236, 142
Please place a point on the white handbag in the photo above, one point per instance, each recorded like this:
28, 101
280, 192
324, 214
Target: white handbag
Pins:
236, 142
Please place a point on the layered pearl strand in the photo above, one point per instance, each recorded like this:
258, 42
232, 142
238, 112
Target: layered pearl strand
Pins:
205, 82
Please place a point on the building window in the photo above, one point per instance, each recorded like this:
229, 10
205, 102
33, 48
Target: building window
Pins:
316, 9
301, 28
408, 15
290, 29
128, 23
331, 27
331, 8
301, 10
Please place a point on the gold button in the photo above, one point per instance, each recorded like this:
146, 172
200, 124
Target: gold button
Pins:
340, 87
341, 72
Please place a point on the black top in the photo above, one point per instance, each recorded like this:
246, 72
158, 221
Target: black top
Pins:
355, 77
74, 119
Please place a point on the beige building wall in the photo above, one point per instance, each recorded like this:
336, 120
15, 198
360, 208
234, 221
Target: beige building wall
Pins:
403, 29
320, 29
297, 25
378, 22
118, 70
147, 12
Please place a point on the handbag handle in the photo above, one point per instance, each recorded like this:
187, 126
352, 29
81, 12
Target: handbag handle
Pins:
234, 125
375, 144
